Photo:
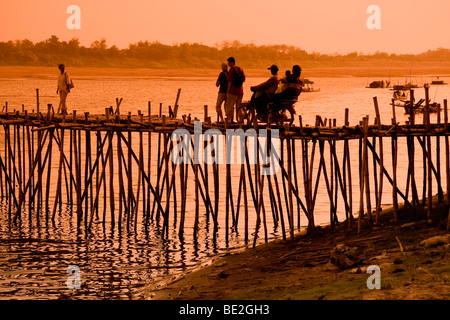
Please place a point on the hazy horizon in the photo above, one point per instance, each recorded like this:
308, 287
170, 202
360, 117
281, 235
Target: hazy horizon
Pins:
407, 27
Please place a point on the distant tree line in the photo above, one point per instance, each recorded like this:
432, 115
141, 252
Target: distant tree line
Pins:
144, 54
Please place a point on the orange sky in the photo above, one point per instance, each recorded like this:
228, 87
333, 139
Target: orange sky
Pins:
407, 26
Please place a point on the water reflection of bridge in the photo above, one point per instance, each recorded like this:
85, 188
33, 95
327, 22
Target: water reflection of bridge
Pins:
87, 158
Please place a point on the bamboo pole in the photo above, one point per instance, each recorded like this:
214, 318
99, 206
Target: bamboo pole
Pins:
89, 183
11, 176
362, 170
228, 187
23, 153
447, 161
327, 181
291, 204
39, 182
273, 205
158, 168
47, 187
122, 200
263, 154
305, 172
216, 185
129, 179
61, 163
366, 180
183, 193
349, 170
77, 176
19, 158
380, 190
111, 179
149, 162
166, 168
205, 144
438, 161
30, 172
245, 200
280, 207
428, 137
394, 147
140, 174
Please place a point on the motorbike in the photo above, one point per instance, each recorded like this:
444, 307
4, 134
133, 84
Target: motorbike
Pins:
276, 113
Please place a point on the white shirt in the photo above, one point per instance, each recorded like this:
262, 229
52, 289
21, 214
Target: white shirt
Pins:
63, 79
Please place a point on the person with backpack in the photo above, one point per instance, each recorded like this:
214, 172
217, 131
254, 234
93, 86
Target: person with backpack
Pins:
64, 86
236, 78
222, 83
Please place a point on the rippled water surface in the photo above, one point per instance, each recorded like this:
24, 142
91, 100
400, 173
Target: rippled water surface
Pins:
35, 253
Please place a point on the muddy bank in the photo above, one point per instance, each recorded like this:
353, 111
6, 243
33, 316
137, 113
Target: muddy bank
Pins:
413, 263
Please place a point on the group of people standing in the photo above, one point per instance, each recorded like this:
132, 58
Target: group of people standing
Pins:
275, 89
230, 83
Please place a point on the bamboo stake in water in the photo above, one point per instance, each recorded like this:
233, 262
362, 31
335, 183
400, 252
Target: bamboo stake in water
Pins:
130, 182
362, 175
380, 190
111, 179
394, 165
430, 195
447, 160
349, 171
47, 188
438, 160
291, 204
149, 162
61, 163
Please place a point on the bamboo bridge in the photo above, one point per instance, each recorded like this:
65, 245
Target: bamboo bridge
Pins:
99, 157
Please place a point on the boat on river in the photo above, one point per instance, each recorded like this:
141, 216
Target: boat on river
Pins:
401, 95
379, 84
418, 107
403, 87
308, 86
438, 82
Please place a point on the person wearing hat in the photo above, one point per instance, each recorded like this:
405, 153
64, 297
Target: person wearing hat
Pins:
264, 92
290, 87
64, 83
222, 83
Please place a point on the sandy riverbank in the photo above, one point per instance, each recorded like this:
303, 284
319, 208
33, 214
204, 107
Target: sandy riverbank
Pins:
400, 69
301, 269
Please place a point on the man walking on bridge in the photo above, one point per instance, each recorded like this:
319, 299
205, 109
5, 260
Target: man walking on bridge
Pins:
64, 86
236, 78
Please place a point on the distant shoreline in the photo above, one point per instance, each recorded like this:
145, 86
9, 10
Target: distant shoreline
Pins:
437, 68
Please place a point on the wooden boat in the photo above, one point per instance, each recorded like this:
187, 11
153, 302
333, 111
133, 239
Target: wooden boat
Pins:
379, 84
438, 82
308, 86
404, 87
401, 95
419, 107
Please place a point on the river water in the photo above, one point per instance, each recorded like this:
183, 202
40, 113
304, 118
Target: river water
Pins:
114, 265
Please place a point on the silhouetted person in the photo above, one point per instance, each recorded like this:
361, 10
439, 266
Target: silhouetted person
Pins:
263, 93
236, 78
290, 87
63, 89
222, 83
